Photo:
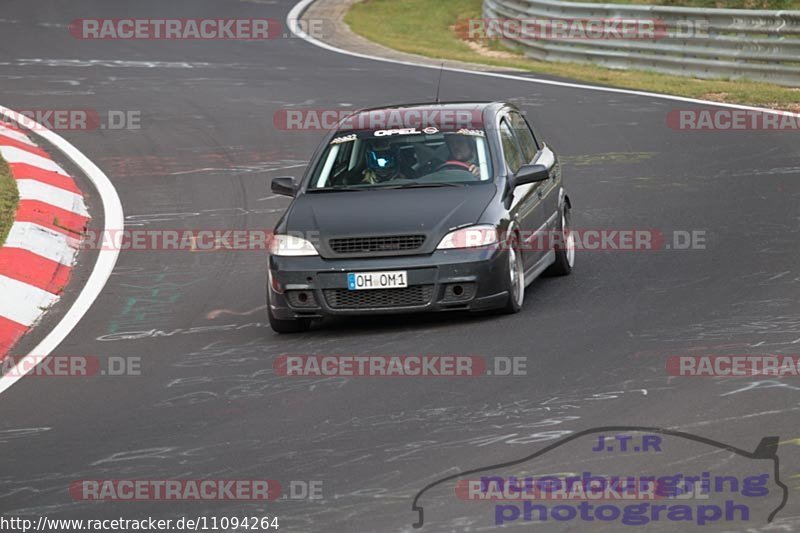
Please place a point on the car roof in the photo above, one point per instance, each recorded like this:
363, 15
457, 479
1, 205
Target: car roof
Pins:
468, 104
408, 115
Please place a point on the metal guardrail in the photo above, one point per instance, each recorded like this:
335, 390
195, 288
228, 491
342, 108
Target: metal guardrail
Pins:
704, 43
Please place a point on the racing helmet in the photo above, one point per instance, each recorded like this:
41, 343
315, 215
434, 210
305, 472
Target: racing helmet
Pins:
382, 158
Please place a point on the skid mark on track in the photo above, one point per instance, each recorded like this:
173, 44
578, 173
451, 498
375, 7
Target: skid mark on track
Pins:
136, 455
8, 435
223, 212
764, 384
735, 418
607, 158
267, 166
159, 333
216, 313
763, 331
226, 159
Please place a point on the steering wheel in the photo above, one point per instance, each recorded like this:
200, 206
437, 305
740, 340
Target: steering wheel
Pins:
457, 164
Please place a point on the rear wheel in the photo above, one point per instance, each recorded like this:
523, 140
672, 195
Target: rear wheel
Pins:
565, 250
296, 325
515, 276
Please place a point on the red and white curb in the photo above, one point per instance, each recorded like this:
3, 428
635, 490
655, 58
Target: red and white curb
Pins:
42, 245
114, 221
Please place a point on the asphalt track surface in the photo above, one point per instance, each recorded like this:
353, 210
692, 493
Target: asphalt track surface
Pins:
208, 405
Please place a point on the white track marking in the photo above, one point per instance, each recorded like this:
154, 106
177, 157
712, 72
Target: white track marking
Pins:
23, 303
297, 11
106, 259
18, 155
17, 136
30, 189
42, 241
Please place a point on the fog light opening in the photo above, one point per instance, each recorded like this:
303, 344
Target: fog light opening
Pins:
458, 290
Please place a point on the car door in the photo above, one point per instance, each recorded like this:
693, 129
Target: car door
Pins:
536, 152
526, 204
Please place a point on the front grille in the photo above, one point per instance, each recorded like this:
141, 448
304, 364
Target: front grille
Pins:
391, 243
379, 298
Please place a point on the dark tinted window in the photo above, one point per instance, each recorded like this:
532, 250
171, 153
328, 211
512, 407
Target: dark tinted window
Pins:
511, 149
524, 136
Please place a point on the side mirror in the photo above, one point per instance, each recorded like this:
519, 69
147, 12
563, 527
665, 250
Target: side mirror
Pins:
531, 174
284, 185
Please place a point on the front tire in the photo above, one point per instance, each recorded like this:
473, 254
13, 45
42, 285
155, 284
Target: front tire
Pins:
515, 276
565, 252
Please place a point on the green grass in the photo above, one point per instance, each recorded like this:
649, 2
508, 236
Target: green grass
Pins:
9, 198
399, 24
726, 4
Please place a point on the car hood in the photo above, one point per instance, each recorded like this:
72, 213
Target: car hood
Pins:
431, 212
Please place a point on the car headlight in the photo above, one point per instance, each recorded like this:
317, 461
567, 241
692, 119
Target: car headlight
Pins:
291, 245
469, 237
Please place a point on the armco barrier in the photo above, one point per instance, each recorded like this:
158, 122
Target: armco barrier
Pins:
705, 43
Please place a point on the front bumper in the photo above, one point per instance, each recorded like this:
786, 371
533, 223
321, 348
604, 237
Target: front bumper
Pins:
447, 280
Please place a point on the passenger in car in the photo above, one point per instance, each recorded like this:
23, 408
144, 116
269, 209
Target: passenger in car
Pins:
382, 163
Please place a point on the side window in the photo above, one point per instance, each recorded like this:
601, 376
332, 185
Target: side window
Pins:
524, 135
511, 150
343, 158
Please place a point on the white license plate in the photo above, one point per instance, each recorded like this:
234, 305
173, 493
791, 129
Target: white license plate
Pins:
377, 280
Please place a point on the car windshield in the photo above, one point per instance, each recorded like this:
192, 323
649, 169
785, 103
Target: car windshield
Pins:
402, 159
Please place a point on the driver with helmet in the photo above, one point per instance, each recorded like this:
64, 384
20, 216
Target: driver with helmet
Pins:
462, 153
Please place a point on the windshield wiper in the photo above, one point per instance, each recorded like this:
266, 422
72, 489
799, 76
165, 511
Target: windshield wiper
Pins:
336, 189
418, 185
386, 186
